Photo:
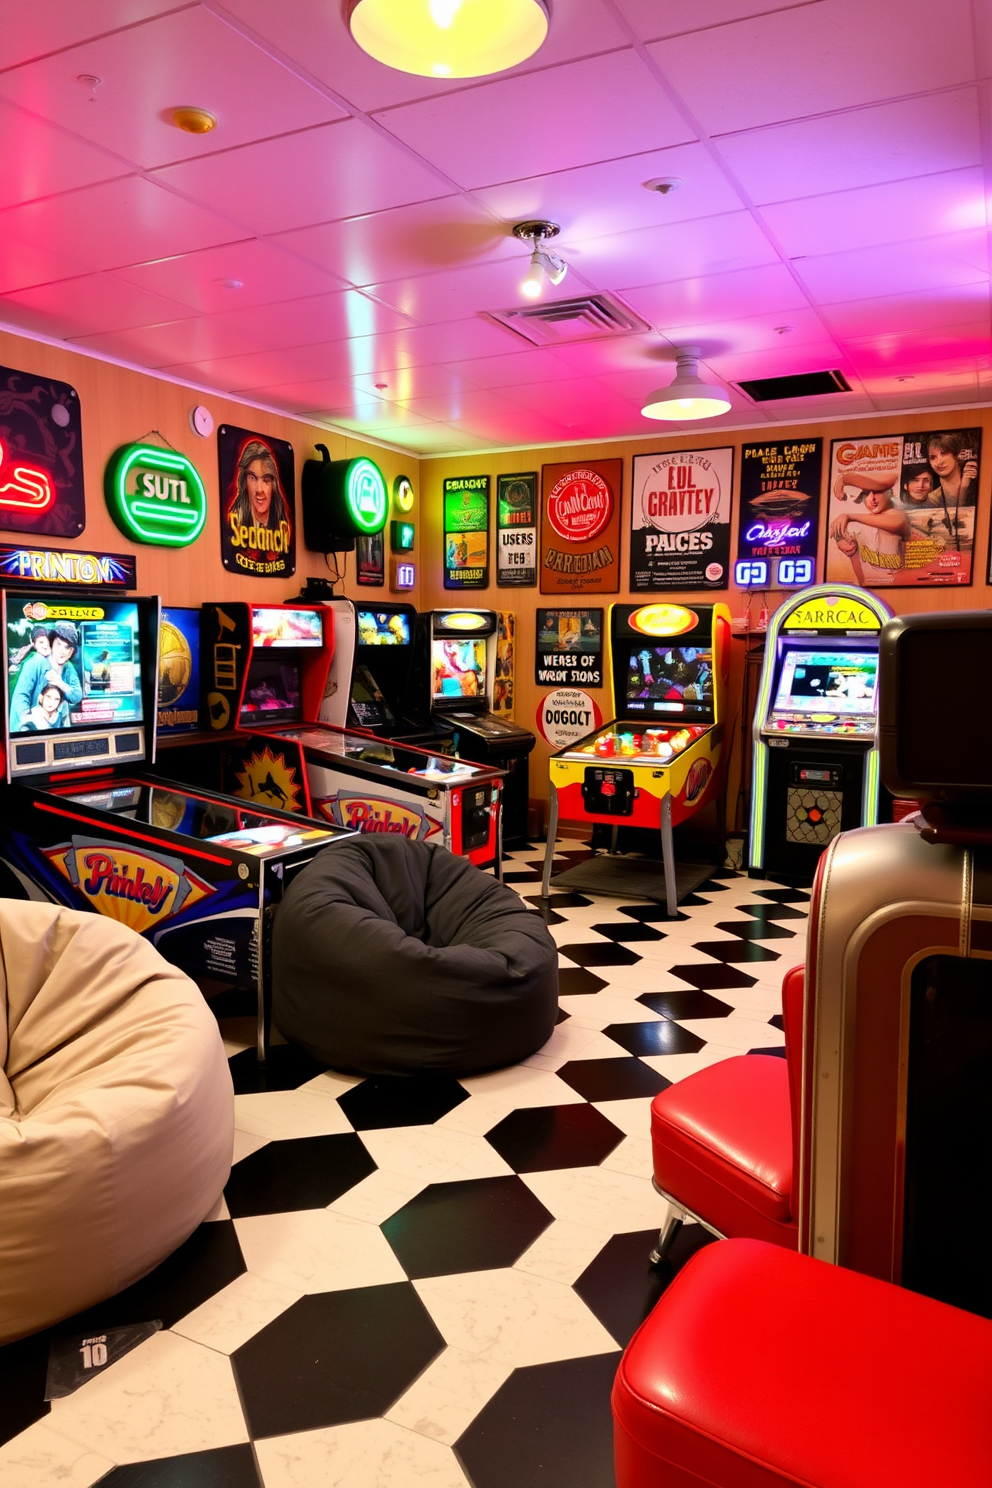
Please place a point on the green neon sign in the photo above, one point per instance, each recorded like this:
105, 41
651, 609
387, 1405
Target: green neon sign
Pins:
155, 495
365, 495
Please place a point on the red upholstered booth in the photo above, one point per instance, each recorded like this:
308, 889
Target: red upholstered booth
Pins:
761, 1367
726, 1140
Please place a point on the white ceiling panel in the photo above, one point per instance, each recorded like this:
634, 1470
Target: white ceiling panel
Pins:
897, 268
249, 272
711, 245
651, 19
435, 298
45, 26
47, 160
75, 307
912, 313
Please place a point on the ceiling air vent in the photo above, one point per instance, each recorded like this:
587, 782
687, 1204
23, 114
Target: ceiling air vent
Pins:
585, 318
802, 385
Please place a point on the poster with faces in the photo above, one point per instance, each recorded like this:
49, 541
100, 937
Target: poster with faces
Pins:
258, 503
901, 510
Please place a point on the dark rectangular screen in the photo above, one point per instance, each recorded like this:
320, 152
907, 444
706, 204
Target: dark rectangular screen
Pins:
944, 723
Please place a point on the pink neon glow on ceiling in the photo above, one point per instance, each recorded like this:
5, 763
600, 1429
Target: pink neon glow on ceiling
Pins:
346, 226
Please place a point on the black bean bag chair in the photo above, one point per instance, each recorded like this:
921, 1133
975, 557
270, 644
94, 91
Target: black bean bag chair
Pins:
396, 957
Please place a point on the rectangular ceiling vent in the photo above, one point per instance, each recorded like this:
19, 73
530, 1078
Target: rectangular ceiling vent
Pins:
585, 318
801, 385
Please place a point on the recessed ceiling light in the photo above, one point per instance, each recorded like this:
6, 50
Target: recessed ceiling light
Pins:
381, 386
664, 185
687, 396
449, 38
194, 120
230, 283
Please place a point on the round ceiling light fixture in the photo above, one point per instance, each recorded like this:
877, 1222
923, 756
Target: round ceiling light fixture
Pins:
687, 396
449, 38
544, 262
194, 120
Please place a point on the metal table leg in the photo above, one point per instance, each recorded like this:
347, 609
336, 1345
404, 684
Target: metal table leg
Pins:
549, 851
668, 854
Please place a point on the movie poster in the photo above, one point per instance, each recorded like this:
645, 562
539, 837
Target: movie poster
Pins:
680, 507
466, 532
780, 514
580, 527
902, 509
516, 531
506, 628
41, 456
569, 648
370, 559
258, 503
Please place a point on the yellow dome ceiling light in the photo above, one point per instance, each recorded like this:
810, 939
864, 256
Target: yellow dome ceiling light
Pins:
687, 396
194, 120
449, 38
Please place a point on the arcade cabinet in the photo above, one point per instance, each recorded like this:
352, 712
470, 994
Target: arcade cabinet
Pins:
84, 826
373, 654
268, 676
898, 1021
452, 681
660, 758
815, 770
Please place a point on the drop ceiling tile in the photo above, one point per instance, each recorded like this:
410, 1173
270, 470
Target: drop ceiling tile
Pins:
637, 353
889, 395
594, 200
950, 202
545, 121
572, 401
457, 293
31, 31
912, 312
815, 58
651, 20
753, 333
469, 407
421, 381
966, 346
119, 222
95, 302
771, 289
335, 170
779, 361
516, 367
23, 264
317, 38
40, 160
899, 268
888, 142
188, 57
320, 392
421, 238
709, 246
265, 273
809, 410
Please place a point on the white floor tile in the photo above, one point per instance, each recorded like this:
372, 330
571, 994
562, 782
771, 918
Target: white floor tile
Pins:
280, 1114
39, 1457
563, 1251
378, 1196
512, 1317
236, 1313
429, 1153
449, 1394
603, 1008
315, 1250
364, 1454
597, 1197
633, 1117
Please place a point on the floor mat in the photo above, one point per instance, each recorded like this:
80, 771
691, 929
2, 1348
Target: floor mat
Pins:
622, 874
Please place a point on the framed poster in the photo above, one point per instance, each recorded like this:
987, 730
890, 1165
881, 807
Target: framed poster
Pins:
41, 456
569, 648
516, 530
580, 527
466, 532
506, 629
902, 507
680, 506
370, 559
258, 503
780, 514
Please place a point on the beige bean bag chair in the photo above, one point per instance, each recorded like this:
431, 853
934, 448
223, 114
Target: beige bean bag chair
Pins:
116, 1111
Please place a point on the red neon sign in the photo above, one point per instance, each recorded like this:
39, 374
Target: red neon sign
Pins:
28, 488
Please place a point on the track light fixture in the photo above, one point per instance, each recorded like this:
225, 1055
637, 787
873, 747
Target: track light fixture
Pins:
687, 396
449, 38
544, 262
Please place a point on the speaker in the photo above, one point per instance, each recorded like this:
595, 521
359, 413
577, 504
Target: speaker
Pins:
342, 500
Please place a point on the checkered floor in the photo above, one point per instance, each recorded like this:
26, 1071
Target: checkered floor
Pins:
427, 1282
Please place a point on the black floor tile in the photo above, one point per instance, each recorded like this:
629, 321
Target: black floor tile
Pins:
776, 1050
523, 875
335, 1357
476, 1225
662, 1037
223, 1467
401, 1100
685, 1004
559, 900
549, 916
712, 886
736, 950
208, 1261
562, 1016
784, 896
301, 1173
649, 914
23, 1370
286, 1068
755, 929
548, 1426
537, 1138
621, 1287
599, 953
776, 1022
713, 978
628, 930
233, 1004
612, 1079
575, 981
772, 911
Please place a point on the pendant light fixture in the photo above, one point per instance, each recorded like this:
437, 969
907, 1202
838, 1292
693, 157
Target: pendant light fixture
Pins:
449, 38
687, 396
544, 262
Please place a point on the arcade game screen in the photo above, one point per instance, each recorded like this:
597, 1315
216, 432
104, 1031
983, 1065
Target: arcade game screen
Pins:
670, 679
827, 682
376, 629
272, 692
459, 668
368, 704
287, 628
72, 666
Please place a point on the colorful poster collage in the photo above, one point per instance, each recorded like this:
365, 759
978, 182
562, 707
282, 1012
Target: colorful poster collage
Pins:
516, 531
466, 532
902, 508
680, 510
780, 514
